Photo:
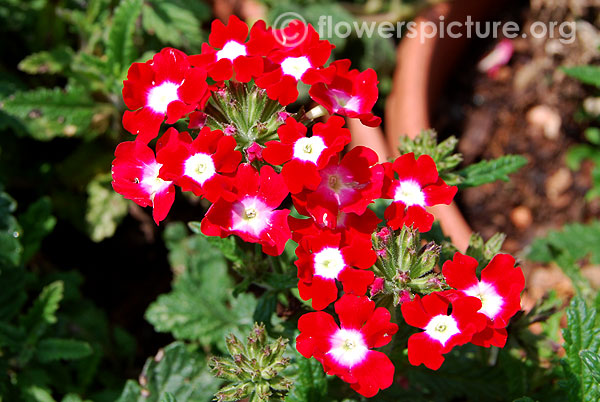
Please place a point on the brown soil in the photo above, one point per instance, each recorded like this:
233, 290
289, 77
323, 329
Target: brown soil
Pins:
528, 108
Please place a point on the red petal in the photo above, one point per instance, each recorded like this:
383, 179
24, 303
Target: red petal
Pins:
375, 373
354, 311
460, 272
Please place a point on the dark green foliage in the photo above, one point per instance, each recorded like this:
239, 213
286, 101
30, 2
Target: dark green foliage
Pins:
201, 306
175, 373
582, 344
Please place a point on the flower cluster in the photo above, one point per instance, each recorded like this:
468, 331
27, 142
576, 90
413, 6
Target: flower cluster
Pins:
246, 155
480, 309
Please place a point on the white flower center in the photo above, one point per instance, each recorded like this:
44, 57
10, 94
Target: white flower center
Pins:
409, 192
160, 96
491, 301
251, 215
295, 66
328, 263
348, 347
441, 328
151, 183
231, 51
309, 149
200, 167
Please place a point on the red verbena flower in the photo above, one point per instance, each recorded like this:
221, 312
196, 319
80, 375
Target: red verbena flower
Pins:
443, 331
345, 351
348, 186
499, 290
323, 258
165, 86
303, 156
349, 225
252, 215
198, 165
302, 61
227, 50
136, 176
351, 93
417, 186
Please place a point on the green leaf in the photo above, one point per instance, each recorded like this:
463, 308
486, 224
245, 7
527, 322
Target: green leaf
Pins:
43, 311
51, 349
174, 373
310, 381
11, 249
201, 306
490, 171
105, 208
592, 134
120, 49
586, 74
168, 397
37, 223
577, 239
176, 22
592, 362
581, 334
53, 61
578, 153
49, 113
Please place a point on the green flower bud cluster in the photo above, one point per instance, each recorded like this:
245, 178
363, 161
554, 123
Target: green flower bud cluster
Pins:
253, 369
246, 112
406, 266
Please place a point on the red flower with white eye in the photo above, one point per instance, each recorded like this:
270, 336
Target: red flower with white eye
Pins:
199, 165
228, 51
499, 290
351, 93
348, 186
323, 259
417, 186
252, 215
345, 350
165, 86
136, 176
303, 156
443, 331
302, 61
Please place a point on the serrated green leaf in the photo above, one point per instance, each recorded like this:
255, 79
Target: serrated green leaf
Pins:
52, 61
175, 371
201, 306
43, 311
176, 22
586, 74
310, 381
49, 113
37, 223
490, 171
119, 48
592, 362
577, 239
105, 208
582, 334
51, 349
